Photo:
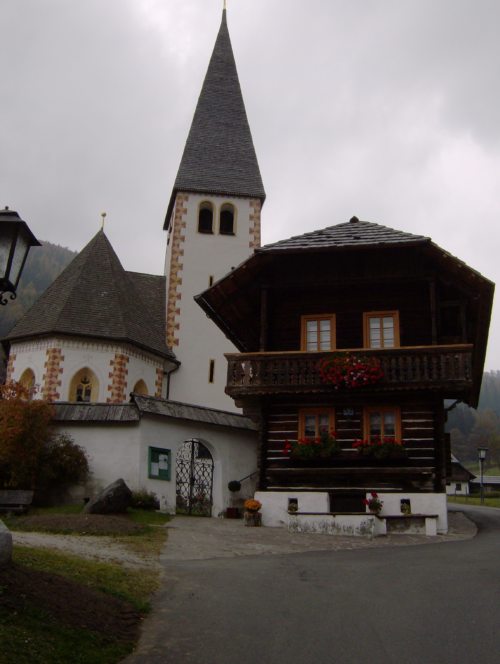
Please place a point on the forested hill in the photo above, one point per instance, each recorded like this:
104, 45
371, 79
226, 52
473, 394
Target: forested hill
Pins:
471, 428
43, 265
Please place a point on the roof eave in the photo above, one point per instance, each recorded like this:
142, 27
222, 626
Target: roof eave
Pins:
169, 355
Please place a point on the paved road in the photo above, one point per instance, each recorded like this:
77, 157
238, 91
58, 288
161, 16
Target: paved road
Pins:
420, 604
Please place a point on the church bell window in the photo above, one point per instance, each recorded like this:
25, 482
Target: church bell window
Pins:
226, 225
206, 218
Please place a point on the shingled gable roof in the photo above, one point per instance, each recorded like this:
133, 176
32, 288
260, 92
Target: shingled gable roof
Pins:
219, 156
95, 297
354, 233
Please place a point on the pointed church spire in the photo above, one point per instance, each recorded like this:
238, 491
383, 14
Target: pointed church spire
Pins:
219, 156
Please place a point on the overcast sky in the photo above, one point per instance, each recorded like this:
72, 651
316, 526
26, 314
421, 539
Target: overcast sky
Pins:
386, 109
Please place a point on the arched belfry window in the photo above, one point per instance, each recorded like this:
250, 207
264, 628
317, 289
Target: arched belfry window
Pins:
226, 225
84, 386
206, 218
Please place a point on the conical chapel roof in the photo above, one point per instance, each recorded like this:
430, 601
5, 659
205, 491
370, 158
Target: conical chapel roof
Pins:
219, 156
95, 297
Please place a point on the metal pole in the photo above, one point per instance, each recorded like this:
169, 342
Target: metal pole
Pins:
481, 481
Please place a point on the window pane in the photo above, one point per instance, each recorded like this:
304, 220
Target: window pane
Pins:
323, 423
312, 335
374, 323
325, 335
310, 425
375, 340
325, 344
388, 323
375, 424
389, 423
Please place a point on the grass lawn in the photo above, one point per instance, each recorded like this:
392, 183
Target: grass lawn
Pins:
474, 500
61, 608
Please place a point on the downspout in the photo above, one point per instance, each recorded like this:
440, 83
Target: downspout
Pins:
168, 374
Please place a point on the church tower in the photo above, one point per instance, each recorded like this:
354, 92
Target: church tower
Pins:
213, 224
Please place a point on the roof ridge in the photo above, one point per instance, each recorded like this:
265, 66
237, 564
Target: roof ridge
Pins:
351, 233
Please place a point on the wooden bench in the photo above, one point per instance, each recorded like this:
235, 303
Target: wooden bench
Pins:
15, 500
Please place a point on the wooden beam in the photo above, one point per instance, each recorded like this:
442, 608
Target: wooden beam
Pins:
263, 318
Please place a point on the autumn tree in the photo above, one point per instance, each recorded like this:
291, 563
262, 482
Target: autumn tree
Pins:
32, 456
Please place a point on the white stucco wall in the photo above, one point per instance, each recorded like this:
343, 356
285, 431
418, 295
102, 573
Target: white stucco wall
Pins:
200, 340
79, 354
451, 489
275, 505
122, 451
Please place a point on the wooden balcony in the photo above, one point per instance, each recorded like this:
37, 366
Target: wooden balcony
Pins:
444, 369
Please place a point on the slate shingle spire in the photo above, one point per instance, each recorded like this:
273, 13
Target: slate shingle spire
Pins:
219, 156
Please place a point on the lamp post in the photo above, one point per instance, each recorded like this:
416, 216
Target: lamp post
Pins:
482, 456
15, 242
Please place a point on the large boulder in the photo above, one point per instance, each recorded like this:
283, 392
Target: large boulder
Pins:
114, 499
5, 545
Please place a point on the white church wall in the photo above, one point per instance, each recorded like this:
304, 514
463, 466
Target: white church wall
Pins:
195, 258
76, 354
29, 355
113, 452
141, 368
122, 451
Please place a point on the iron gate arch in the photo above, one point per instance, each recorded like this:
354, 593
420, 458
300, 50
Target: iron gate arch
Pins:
194, 474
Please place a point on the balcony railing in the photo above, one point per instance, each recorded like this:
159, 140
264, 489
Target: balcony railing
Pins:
443, 368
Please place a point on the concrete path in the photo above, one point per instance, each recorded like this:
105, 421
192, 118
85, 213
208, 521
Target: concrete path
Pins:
236, 594
195, 538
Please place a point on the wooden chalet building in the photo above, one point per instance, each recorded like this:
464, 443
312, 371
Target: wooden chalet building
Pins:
386, 297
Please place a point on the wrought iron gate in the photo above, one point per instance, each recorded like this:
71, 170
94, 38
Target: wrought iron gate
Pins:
194, 479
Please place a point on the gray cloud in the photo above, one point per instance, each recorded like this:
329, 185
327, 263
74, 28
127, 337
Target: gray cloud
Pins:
386, 109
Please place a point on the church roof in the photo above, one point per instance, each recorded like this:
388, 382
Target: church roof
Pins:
144, 405
354, 233
219, 156
95, 297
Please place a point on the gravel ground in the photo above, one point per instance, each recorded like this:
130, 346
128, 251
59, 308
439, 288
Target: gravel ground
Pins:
105, 549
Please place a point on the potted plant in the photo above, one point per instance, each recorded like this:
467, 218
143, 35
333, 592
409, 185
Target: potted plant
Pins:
380, 447
252, 515
373, 503
349, 370
309, 448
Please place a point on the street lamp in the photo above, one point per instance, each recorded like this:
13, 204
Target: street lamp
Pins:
15, 242
482, 456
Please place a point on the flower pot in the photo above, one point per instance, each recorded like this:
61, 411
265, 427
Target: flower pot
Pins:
252, 518
232, 513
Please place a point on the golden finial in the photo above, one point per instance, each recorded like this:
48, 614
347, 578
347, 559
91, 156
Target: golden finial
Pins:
103, 217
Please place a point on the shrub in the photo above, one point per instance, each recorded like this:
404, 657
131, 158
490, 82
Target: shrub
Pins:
61, 464
145, 500
24, 431
31, 455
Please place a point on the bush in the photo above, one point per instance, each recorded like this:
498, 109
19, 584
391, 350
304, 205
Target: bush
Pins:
145, 500
24, 431
31, 456
62, 463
